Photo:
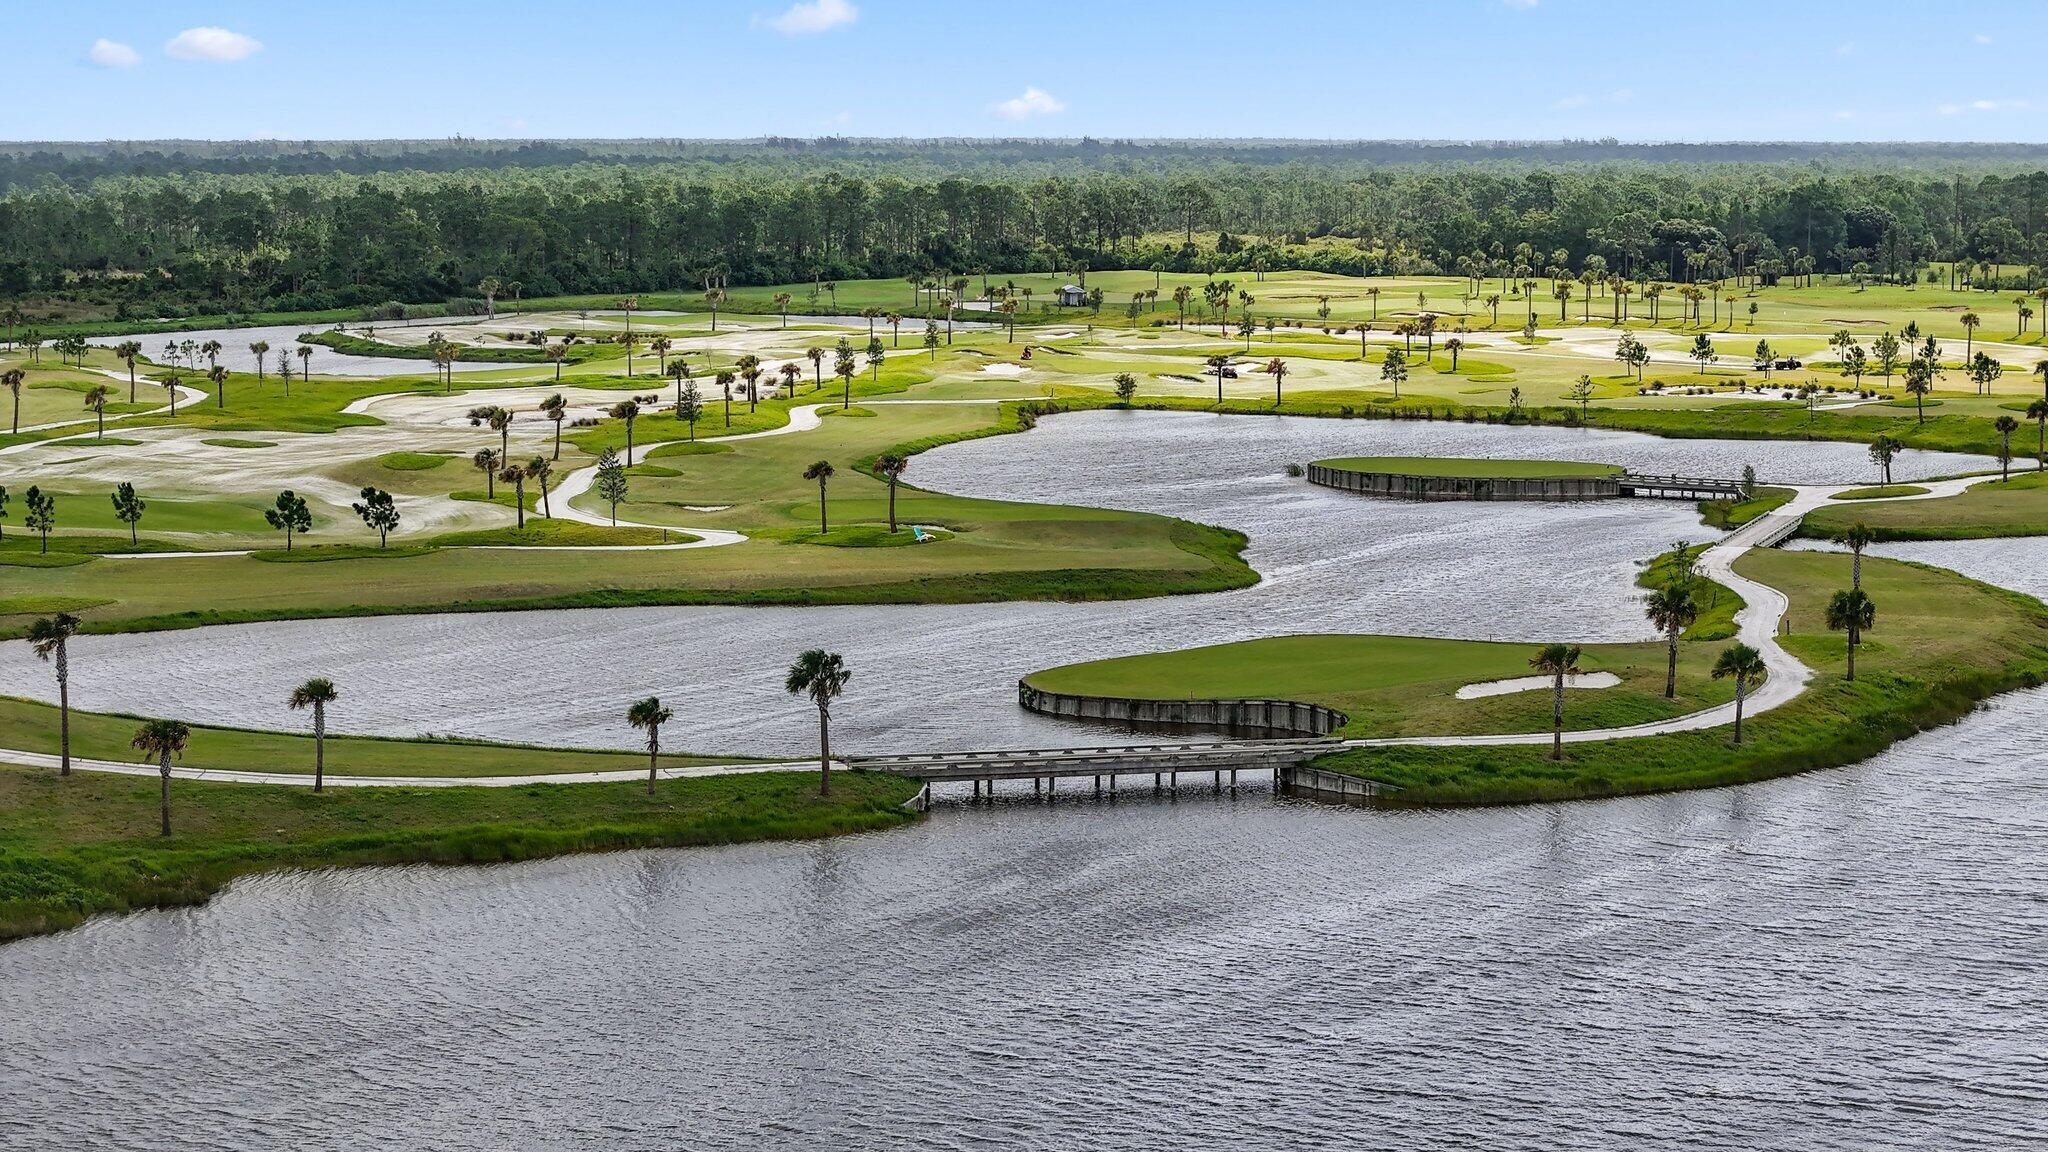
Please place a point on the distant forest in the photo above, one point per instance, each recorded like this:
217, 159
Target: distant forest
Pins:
153, 228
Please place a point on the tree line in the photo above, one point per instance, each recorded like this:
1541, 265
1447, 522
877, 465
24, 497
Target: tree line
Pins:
239, 232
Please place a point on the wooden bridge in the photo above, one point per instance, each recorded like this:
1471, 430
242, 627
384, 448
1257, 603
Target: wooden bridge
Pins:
1045, 767
1680, 487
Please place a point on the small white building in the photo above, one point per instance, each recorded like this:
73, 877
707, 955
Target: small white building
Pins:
1072, 296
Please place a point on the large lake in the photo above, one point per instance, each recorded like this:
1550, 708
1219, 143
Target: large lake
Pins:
1847, 959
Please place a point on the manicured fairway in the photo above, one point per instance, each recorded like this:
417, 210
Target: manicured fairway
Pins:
2018, 507
32, 727
1941, 644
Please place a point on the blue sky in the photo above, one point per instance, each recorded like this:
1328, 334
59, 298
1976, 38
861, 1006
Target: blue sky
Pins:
1655, 70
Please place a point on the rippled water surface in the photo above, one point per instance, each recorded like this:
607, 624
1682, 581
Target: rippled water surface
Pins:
936, 677
1854, 959
1847, 960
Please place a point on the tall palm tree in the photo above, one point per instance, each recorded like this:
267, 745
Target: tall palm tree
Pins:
1746, 665
821, 472
816, 356
1556, 661
1277, 369
649, 715
486, 462
1969, 320
556, 409
1217, 364
556, 353
629, 411
12, 380
515, 475
660, 346
539, 469
1856, 537
50, 636
890, 466
1852, 612
96, 403
162, 739
2006, 426
2038, 413
1671, 611
128, 351
218, 375
305, 361
316, 694
257, 349
822, 675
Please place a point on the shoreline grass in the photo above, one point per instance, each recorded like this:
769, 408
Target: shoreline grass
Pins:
72, 848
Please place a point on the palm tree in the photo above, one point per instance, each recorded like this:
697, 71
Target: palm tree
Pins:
556, 409
1218, 364
782, 306
1853, 612
316, 694
1277, 369
162, 739
629, 411
1969, 320
539, 469
556, 353
219, 376
790, 374
1671, 611
1746, 665
486, 462
889, 466
257, 349
305, 361
96, 403
821, 472
2006, 426
50, 636
211, 350
514, 475
649, 714
12, 380
816, 356
660, 346
712, 300
1856, 537
1454, 346
822, 675
1557, 661
130, 350
2038, 413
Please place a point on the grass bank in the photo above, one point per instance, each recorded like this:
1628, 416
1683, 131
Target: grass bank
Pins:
1943, 644
2016, 507
73, 848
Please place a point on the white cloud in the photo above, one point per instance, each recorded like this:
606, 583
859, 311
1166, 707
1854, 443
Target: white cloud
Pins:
1579, 100
810, 16
1033, 102
1981, 106
211, 44
1846, 48
112, 54
1980, 38
1846, 114
1524, 4
839, 118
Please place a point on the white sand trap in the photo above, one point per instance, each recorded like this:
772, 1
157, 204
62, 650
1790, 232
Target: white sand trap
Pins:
1010, 371
1059, 335
1532, 683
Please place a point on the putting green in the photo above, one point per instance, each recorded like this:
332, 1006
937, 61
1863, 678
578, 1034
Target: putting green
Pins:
1463, 468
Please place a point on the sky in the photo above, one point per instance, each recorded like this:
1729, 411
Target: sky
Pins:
1363, 69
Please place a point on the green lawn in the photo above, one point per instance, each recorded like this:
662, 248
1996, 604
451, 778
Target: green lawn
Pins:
1881, 492
2016, 507
1474, 469
71, 848
1942, 644
32, 727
